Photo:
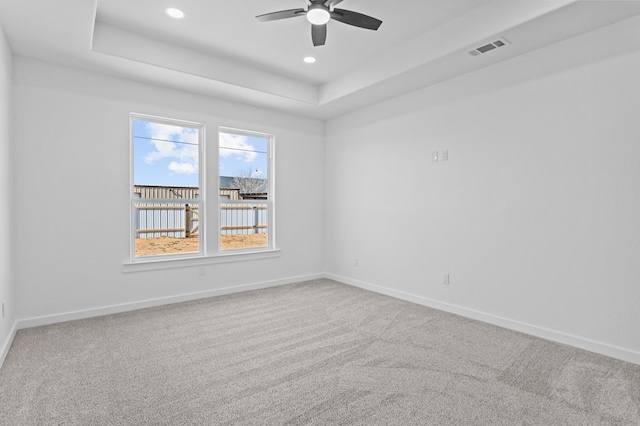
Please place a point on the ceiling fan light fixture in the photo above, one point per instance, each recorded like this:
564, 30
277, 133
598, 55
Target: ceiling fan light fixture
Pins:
318, 15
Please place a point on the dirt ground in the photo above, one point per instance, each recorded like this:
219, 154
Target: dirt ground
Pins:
168, 245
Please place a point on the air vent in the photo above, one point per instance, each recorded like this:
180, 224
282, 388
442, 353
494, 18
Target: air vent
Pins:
489, 47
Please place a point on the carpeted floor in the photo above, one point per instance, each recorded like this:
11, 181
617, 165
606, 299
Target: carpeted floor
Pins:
313, 353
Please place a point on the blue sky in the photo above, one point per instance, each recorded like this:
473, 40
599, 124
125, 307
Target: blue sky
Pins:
167, 155
244, 156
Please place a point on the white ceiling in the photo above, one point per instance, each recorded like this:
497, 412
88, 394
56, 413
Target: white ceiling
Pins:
220, 49
229, 30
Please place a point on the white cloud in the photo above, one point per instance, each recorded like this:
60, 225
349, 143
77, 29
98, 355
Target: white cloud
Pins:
185, 154
237, 145
183, 168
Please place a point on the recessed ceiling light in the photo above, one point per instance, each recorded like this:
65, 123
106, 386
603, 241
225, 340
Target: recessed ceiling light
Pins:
174, 13
309, 59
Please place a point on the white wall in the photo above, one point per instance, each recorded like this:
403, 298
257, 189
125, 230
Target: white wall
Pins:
536, 214
6, 269
72, 147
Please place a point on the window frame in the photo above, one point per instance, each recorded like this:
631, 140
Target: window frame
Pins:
199, 201
209, 236
269, 202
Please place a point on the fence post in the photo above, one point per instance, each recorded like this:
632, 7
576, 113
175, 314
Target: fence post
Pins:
256, 219
187, 221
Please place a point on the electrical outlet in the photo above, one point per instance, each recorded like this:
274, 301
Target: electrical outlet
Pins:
445, 279
202, 270
444, 155
355, 262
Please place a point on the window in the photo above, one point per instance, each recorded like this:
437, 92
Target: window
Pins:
166, 197
245, 190
169, 211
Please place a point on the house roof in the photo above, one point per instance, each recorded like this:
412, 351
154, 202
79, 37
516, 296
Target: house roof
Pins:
226, 182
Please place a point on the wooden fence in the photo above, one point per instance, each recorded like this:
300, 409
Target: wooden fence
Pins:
155, 220
243, 218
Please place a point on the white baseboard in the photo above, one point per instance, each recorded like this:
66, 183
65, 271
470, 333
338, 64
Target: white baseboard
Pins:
556, 336
126, 307
4, 349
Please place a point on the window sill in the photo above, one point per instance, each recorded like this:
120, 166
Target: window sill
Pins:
184, 262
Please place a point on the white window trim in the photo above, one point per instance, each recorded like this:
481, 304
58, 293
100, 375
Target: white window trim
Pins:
270, 202
202, 258
194, 261
201, 184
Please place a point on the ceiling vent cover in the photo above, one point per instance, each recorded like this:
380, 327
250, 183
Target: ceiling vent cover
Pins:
489, 47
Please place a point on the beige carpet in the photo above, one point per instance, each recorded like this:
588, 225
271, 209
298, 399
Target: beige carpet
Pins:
314, 353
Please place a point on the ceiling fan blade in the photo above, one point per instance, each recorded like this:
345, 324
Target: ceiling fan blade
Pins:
319, 34
356, 19
283, 14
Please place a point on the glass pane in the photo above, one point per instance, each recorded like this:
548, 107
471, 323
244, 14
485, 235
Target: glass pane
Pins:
244, 225
243, 180
165, 155
244, 162
165, 228
165, 166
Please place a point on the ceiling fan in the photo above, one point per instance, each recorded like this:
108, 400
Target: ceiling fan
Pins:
318, 13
